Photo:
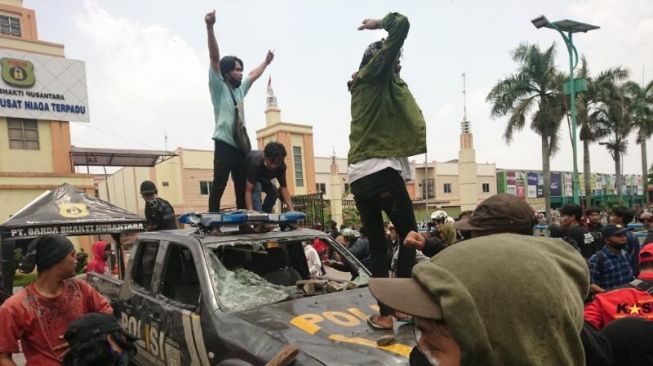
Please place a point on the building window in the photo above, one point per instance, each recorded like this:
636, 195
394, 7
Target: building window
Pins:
428, 186
10, 25
486, 187
347, 189
447, 188
165, 184
320, 187
205, 187
299, 168
23, 134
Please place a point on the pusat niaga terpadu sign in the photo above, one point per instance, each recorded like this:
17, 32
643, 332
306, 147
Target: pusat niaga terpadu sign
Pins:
42, 87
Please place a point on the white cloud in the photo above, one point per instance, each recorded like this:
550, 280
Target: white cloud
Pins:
146, 80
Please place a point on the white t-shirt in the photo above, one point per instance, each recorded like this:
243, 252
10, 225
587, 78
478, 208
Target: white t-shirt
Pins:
366, 167
313, 261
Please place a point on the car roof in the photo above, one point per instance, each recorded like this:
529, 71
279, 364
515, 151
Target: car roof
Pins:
229, 237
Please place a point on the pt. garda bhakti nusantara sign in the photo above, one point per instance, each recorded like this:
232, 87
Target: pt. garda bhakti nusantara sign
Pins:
42, 87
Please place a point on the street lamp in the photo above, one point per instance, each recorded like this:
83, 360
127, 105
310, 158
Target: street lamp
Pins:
574, 85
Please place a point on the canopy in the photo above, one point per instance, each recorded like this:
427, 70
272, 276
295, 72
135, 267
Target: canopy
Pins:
69, 211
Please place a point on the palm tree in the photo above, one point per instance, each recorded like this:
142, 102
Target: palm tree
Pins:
587, 102
640, 100
613, 114
535, 92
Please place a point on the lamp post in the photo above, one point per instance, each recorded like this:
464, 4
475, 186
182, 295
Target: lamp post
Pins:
574, 85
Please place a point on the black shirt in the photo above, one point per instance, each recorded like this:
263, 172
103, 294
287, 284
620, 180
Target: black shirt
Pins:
256, 170
159, 215
583, 239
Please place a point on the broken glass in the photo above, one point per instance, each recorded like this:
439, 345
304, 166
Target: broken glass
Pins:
240, 289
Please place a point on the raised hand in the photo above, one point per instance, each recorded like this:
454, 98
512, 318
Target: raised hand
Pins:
371, 24
268, 58
209, 18
415, 240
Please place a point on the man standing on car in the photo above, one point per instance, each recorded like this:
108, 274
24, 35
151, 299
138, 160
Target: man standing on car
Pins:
39, 314
262, 167
228, 88
387, 127
158, 212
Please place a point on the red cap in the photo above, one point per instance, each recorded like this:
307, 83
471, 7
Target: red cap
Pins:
646, 254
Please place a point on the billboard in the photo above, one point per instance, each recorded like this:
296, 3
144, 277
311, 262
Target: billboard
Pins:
42, 87
567, 184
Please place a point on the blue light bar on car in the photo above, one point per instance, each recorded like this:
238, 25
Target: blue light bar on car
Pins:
208, 219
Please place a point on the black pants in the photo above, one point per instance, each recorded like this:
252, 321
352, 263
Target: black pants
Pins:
227, 159
385, 191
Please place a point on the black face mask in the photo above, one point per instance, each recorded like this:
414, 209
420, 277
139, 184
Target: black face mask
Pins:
618, 246
235, 83
417, 358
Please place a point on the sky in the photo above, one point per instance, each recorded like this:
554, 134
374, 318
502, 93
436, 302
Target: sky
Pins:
147, 66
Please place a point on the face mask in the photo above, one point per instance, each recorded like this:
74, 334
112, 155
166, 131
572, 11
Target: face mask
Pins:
618, 246
235, 83
418, 358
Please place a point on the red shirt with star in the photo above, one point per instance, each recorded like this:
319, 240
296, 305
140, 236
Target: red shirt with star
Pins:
620, 303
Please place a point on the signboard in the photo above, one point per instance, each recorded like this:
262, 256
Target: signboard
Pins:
42, 87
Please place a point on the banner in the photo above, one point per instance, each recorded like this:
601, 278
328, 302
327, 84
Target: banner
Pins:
540, 185
511, 186
532, 185
556, 184
521, 184
42, 87
567, 182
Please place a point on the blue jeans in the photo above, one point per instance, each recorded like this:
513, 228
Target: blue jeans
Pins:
270, 196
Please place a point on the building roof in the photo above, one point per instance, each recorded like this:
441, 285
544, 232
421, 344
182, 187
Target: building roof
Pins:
86, 156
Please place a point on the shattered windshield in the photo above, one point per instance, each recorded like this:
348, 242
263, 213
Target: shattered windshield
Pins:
250, 274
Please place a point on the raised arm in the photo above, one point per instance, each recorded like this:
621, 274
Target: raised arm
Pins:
384, 61
258, 70
214, 52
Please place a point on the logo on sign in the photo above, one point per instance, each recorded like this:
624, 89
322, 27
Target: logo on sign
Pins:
73, 210
17, 72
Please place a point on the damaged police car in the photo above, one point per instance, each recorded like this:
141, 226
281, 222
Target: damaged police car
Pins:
201, 296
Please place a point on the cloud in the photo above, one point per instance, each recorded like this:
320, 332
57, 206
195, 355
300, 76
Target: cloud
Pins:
145, 80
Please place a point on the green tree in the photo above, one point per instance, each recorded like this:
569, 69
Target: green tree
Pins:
640, 101
534, 91
613, 114
590, 131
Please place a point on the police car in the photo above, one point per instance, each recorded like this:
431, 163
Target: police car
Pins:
215, 292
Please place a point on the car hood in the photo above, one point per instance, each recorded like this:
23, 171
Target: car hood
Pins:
331, 329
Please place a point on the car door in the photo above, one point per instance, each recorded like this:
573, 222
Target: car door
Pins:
180, 294
140, 311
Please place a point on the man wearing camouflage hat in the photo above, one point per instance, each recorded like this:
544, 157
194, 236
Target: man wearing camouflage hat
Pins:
474, 305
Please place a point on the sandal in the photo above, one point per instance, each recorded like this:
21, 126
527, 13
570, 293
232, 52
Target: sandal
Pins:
372, 323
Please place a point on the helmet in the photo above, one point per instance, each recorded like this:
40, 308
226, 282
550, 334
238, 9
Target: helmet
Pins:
439, 215
147, 187
350, 233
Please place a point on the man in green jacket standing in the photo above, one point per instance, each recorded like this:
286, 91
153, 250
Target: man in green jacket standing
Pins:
387, 127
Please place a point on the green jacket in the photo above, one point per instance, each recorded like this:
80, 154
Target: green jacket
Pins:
386, 121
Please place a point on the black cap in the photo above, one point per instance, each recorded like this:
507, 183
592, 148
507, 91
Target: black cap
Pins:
612, 229
91, 325
148, 187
